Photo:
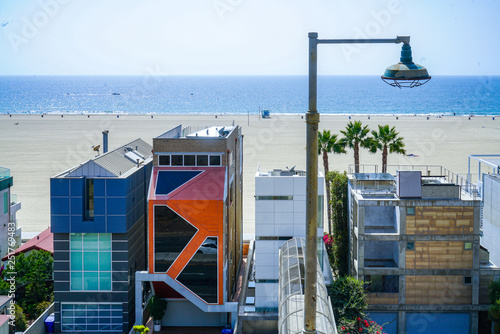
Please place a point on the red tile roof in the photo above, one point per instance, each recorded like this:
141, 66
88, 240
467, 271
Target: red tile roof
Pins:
3, 319
43, 241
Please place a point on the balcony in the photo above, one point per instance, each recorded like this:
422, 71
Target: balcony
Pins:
14, 204
4, 173
381, 254
381, 220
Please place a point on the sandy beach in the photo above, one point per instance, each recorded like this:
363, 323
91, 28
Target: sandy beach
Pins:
36, 148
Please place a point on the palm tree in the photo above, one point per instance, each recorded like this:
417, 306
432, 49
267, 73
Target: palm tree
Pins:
386, 140
355, 135
328, 143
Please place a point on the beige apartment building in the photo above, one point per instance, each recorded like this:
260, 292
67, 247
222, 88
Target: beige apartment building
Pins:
415, 241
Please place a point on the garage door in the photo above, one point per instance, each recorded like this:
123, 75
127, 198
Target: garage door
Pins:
437, 323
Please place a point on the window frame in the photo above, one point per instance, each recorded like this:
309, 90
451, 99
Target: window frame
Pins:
89, 188
77, 307
164, 156
408, 209
82, 272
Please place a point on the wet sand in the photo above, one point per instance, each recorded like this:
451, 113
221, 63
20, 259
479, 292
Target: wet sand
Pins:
37, 148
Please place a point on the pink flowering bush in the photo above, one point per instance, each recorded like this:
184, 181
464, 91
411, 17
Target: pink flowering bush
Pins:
360, 325
328, 240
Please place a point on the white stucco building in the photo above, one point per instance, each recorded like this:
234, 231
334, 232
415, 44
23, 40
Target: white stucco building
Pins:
280, 214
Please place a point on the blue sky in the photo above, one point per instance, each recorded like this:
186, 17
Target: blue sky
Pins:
243, 37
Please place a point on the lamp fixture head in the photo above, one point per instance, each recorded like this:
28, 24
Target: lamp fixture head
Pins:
406, 74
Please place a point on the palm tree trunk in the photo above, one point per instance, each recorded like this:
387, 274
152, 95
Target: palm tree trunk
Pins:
356, 157
327, 183
384, 159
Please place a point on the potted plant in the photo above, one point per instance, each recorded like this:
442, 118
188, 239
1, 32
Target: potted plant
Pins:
157, 307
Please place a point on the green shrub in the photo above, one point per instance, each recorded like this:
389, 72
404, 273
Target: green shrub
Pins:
157, 307
348, 298
339, 251
20, 322
41, 307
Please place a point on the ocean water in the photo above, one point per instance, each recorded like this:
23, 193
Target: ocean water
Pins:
448, 95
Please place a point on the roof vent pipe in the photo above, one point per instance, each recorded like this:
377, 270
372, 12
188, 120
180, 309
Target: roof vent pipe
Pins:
105, 141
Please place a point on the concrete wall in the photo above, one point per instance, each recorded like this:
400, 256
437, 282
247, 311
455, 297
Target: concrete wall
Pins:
185, 313
380, 216
435, 191
38, 327
381, 250
491, 217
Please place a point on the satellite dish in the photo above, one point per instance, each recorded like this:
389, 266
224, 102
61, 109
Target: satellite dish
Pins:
96, 148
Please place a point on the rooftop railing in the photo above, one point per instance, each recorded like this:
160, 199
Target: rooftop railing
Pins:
431, 174
4, 172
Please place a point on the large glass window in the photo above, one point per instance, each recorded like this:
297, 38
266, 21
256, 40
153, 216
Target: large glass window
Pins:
89, 199
200, 274
177, 160
202, 160
167, 180
189, 160
172, 233
90, 261
91, 317
164, 160
321, 218
382, 283
215, 160
5, 202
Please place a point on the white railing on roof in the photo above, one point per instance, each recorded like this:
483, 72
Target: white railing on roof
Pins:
4, 172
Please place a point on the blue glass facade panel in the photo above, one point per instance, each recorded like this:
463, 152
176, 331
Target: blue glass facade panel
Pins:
59, 187
77, 206
388, 320
77, 187
86, 226
99, 187
99, 206
116, 206
437, 323
59, 205
76, 219
117, 224
59, 224
118, 203
100, 220
117, 187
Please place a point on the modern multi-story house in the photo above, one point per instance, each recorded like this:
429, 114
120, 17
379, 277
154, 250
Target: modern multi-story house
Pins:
195, 225
8, 208
415, 241
98, 218
280, 215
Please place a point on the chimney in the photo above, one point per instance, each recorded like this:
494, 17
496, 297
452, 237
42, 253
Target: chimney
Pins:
105, 141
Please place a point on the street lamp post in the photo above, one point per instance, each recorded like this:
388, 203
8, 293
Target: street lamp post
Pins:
404, 74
